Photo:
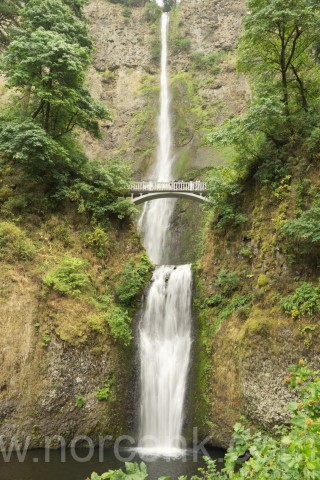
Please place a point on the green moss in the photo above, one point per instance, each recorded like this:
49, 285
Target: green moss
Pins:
14, 243
263, 280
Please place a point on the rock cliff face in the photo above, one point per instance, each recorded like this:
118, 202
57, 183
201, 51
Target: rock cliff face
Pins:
246, 341
57, 350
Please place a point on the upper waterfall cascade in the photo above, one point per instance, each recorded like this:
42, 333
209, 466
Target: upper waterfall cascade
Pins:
156, 216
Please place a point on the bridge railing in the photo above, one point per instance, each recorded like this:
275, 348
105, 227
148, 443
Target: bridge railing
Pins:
152, 186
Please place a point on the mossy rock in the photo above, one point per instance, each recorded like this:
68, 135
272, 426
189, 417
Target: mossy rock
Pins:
263, 280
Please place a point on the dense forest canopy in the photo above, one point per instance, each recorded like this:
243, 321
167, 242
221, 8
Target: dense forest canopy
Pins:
45, 61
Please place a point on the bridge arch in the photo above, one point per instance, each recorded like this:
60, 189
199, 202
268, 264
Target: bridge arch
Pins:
142, 198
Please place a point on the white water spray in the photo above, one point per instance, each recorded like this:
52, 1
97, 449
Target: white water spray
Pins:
165, 328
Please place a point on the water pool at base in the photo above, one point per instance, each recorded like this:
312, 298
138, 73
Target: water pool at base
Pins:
34, 466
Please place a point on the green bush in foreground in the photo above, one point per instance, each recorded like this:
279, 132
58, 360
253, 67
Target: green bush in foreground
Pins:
134, 471
69, 278
293, 453
305, 301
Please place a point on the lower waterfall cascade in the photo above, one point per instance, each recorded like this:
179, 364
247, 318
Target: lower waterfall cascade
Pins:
165, 343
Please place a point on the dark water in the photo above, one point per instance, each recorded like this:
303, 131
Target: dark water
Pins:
34, 467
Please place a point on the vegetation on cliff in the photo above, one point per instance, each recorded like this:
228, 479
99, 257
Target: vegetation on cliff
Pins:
264, 227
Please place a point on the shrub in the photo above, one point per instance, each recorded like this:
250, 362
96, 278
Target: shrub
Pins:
133, 471
97, 323
126, 12
69, 278
99, 191
14, 243
117, 318
120, 325
80, 401
181, 45
155, 49
133, 280
225, 196
227, 282
98, 240
106, 391
305, 301
151, 12
209, 63
304, 232
263, 280
229, 215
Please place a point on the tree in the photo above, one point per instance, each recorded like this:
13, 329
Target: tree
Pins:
277, 51
8, 15
46, 60
277, 44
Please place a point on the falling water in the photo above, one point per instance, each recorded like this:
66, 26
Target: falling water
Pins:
165, 328
156, 215
165, 334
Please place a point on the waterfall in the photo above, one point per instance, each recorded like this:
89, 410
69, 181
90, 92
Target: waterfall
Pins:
165, 333
156, 215
165, 327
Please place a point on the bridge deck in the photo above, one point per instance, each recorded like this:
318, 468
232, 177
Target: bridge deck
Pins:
170, 186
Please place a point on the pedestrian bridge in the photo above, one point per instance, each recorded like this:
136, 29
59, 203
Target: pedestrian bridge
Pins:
145, 191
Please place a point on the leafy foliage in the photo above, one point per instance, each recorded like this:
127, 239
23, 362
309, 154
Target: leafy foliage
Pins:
8, 16
277, 53
304, 231
181, 45
225, 197
97, 239
69, 278
99, 190
117, 318
227, 282
151, 12
14, 243
42, 158
133, 280
305, 301
278, 38
209, 63
80, 401
105, 392
133, 471
47, 60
